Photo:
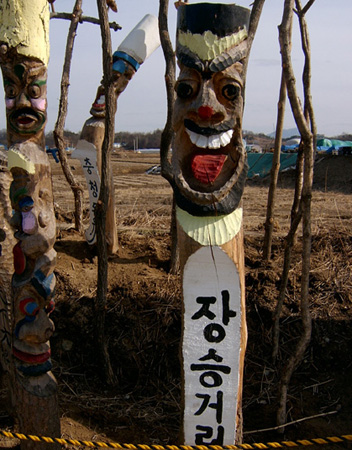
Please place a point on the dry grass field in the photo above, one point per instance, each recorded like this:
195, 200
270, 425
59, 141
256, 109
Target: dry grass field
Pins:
143, 317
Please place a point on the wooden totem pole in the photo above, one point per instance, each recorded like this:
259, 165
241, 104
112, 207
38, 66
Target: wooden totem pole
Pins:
24, 53
209, 170
7, 242
139, 44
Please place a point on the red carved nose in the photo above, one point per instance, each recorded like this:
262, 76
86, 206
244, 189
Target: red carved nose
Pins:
205, 112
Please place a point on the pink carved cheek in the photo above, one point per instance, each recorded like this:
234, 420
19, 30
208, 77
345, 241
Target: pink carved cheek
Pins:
38, 103
9, 103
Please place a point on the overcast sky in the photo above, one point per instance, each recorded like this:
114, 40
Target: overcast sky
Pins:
142, 107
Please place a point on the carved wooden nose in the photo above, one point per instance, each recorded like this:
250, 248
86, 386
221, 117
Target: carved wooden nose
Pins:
205, 112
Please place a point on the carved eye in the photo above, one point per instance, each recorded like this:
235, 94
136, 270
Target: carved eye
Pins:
184, 90
29, 307
34, 91
230, 91
10, 91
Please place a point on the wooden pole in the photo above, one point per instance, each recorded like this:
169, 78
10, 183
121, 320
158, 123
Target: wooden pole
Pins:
7, 242
24, 70
207, 173
118, 69
132, 52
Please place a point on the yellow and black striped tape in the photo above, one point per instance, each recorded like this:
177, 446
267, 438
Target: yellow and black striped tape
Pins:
76, 442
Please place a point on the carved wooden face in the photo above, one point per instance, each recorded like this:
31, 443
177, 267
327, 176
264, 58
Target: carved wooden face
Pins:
208, 153
33, 329
207, 122
25, 99
208, 159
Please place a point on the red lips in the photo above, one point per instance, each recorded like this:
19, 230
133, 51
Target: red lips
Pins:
31, 359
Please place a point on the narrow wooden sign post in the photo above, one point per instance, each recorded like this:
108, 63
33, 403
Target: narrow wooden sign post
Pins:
24, 53
86, 153
211, 344
138, 45
207, 174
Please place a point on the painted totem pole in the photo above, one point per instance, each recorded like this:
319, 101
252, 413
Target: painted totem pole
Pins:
139, 44
7, 242
208, 175
24, 54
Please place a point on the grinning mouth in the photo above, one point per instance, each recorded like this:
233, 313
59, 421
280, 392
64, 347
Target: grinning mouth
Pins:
206, 137
100, 102
207, 160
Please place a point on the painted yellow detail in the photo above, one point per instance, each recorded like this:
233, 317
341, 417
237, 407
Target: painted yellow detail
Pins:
207, 45
17, 159
210, 230
25, 25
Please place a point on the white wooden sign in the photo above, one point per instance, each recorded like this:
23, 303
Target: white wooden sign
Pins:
211, 347
87, 154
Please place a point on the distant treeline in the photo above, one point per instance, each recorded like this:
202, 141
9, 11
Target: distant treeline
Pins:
131, 141
127, 140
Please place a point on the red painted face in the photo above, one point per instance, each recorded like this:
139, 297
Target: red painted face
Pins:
207, 124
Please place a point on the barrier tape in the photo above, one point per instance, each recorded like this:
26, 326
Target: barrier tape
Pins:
76, 442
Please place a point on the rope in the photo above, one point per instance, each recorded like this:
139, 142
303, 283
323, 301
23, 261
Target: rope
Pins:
76, 442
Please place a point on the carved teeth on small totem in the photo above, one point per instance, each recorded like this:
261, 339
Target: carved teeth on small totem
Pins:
213, 142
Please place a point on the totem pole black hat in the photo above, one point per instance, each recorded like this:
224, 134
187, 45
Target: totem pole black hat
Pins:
211, 36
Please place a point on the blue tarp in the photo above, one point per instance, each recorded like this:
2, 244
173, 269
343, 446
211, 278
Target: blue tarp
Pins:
331, 144
286, 148
260, 164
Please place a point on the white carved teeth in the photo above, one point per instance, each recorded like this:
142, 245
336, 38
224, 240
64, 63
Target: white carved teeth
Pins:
101, 100
213, 142
202, 141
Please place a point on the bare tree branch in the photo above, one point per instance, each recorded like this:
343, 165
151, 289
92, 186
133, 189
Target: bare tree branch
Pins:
60, 123
308, 5
67, 16
102, 286
170, 74
254, 20
253, 25
167, 134
269, 222
307, 142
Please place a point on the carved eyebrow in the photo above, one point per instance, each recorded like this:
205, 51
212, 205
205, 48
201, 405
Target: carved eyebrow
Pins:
39, 82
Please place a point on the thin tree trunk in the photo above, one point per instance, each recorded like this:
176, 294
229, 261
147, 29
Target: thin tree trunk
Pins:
60, 123
167, 134
308, 139
269, 223
170, 74
100, 303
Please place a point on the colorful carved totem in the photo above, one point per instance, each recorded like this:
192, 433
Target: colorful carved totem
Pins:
7, 242
138, 45
209, 170
24, 40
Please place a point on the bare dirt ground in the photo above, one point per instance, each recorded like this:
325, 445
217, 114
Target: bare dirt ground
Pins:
143, 316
